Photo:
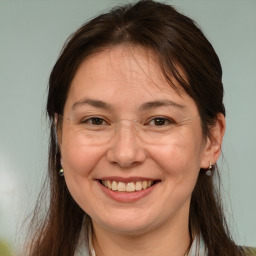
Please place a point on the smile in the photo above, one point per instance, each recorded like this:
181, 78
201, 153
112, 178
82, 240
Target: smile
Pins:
127, 187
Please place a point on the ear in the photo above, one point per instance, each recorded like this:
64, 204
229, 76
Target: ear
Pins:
57, 121
212, 147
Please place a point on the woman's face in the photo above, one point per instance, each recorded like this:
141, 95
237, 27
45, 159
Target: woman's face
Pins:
131, 146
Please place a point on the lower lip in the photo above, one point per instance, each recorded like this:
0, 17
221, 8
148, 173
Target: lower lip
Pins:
127, 197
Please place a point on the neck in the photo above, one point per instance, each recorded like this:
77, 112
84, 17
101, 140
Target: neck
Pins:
171, 237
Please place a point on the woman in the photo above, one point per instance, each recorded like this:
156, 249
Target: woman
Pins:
137, 122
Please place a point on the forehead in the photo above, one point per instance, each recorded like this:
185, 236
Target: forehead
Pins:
123, 73
127, 63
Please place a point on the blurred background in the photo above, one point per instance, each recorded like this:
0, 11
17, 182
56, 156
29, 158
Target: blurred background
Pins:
32, 33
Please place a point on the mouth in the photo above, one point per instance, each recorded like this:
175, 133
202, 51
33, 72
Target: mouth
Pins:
129, 187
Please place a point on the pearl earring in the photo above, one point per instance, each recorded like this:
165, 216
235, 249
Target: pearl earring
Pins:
209, 171
61, 171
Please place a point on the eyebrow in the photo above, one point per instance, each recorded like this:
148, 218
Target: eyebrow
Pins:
145, 106
93, 103
161, 103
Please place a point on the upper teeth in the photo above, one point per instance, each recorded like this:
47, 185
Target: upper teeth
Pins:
127, 187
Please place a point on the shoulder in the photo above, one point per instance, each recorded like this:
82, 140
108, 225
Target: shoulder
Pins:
249, 251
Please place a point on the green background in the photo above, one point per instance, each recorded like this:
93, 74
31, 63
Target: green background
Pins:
32, 33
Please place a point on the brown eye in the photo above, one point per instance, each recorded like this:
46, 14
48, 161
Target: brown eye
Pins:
160, 121
95, 121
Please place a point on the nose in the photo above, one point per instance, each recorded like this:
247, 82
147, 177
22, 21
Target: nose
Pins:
126, 149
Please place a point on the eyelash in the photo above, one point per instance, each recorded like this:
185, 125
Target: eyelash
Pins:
90, 120
161, 119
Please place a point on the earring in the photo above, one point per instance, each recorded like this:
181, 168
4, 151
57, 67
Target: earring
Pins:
209, 171
61, 172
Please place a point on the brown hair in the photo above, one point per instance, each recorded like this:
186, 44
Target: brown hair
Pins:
176, 41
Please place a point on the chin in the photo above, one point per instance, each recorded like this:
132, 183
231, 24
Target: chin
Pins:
134, 229
129, 224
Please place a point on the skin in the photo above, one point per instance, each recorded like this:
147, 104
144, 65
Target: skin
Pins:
126, 78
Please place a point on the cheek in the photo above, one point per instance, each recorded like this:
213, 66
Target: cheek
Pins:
177, 156
79, 162
78, 159
180, 164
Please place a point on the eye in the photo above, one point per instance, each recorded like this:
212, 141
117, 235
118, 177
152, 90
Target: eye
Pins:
95, 121
160, 121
